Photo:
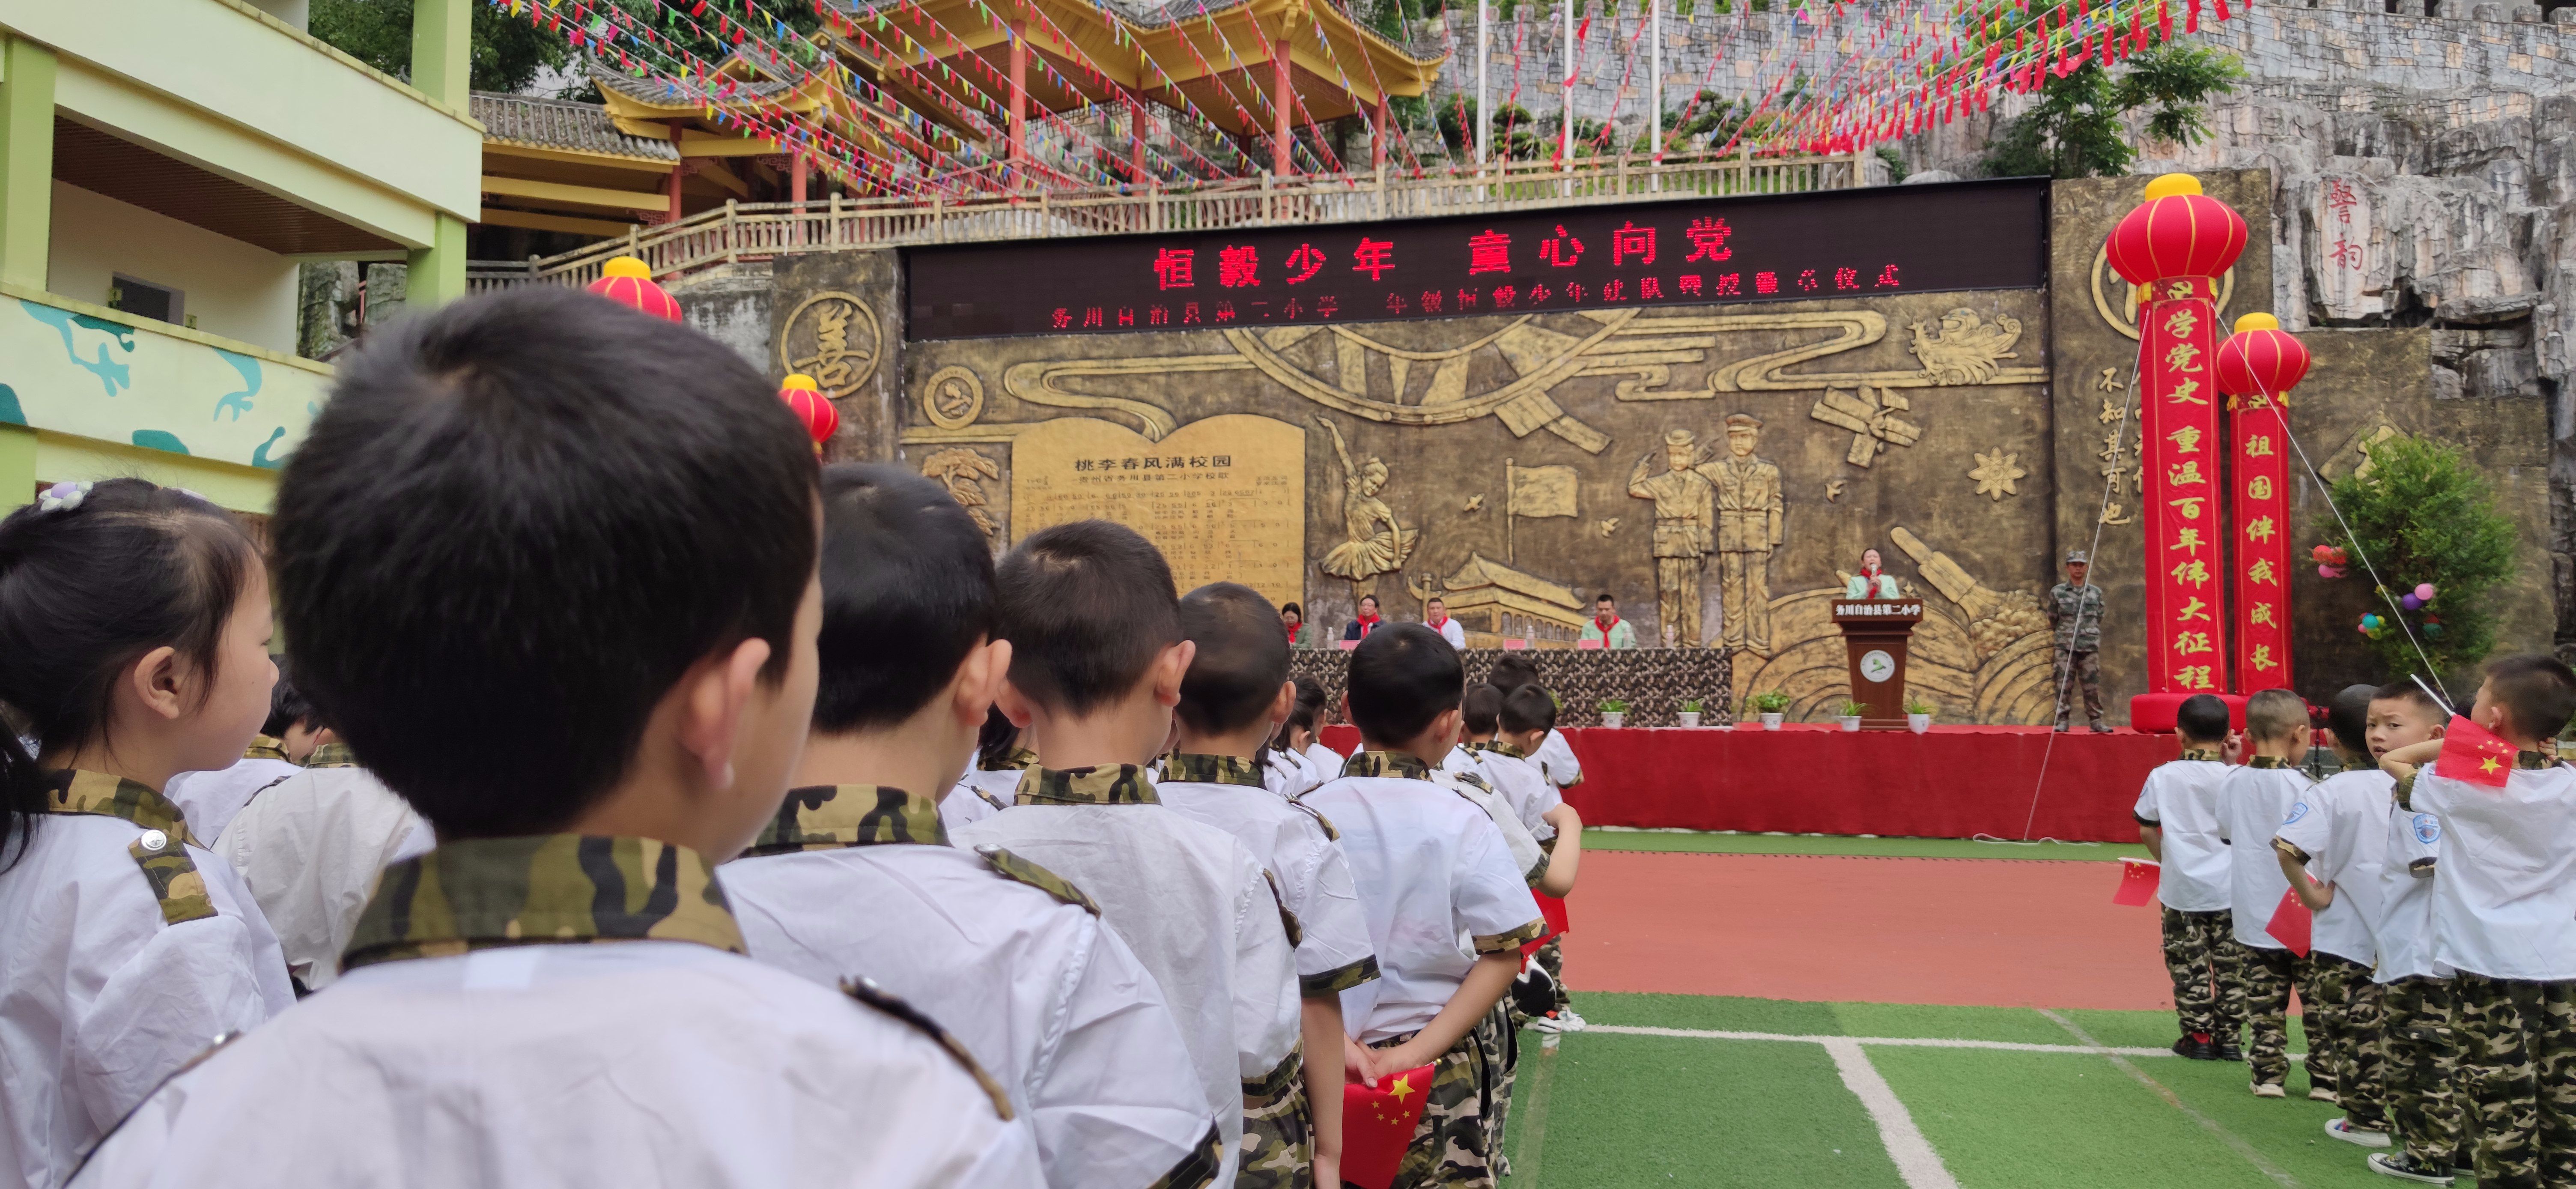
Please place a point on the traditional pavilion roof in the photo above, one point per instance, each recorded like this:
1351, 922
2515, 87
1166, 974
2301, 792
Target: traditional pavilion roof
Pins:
562, 124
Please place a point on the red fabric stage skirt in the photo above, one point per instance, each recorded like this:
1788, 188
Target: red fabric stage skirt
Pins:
1955, 782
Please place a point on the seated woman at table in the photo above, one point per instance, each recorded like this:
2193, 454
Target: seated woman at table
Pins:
1293, 617
1871, 582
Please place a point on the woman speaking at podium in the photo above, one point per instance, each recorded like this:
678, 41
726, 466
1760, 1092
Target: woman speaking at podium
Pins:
1871, 582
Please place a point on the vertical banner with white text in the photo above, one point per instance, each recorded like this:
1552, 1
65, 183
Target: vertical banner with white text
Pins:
2260, 570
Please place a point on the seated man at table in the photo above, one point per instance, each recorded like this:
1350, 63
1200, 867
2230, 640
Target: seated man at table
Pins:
1871, 582
1607, 630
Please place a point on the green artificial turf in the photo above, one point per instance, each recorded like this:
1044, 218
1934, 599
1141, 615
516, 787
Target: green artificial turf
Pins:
1609, 1110
1731, 843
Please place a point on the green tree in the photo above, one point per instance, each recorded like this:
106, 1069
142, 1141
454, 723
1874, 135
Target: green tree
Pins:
507, 50
2076, 130
2422, 514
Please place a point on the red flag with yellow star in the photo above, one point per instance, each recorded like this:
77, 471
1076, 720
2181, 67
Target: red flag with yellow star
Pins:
2474, 754
1378, 1125
2138, 879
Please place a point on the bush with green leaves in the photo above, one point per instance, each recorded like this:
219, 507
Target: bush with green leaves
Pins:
2077, 128
2421, 513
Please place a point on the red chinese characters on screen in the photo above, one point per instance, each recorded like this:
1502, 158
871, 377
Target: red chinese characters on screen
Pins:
1238, 268
1173, 268
1707, 240
1561, 249
1304, 263
1376, 257
1632, 241
1489, 252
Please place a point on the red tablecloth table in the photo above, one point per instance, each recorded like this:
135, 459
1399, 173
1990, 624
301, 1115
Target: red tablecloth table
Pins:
1953, 782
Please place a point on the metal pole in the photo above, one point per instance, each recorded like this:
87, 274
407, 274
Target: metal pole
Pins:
1565, 117
1655, 81
1484, 64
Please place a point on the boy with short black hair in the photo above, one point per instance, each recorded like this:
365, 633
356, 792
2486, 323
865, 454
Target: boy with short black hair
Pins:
543, 509
1431, 867
2504, 911
855, 876
2415, 988
1528, 717
2177, 817
1097, 664
1236, 695
2332, 848
1554, 756
2253, 800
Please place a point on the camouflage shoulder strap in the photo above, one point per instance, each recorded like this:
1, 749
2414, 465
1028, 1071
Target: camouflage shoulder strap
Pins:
1317, 814
1287, 919
174, 877
1472, 780
1198, 1169
1011, 866
866, 991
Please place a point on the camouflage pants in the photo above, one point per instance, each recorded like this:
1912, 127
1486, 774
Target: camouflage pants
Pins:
1500, 1035
2423, 1071
1278, 1130
1453, 1146
2255, 985
2192, 942
2518, 1062
2073, 671
1551, 958
2344, 1042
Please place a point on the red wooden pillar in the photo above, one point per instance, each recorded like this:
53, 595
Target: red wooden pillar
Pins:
796, 175
1019, 91
679, 173
1280, 97
1377, 146
1136, 136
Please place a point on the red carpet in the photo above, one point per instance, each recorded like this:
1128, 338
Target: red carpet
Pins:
1956, 782
1998, 933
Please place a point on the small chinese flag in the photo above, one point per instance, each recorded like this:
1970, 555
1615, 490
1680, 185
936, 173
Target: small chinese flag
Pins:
1378, 1125
2474, 754
2291, 923
2137, 883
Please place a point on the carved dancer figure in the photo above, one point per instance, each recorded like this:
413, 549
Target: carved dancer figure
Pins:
1685, 510
1369, 550
1748, 529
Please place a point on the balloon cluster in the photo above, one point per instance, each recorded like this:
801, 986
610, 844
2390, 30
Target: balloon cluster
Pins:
2415, 599
2375, 625
2330, 560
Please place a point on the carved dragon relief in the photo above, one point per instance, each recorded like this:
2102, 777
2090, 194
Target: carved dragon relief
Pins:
1346, 369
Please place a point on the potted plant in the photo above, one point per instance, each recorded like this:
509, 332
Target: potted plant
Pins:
1848, 713
1918, 714
1690, 711
1614, 712
1769, 706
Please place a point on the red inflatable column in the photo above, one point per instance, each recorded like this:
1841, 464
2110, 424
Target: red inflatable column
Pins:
2257, 367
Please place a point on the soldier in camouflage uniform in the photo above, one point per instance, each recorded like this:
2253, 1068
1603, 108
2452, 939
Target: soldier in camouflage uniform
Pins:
2075, 627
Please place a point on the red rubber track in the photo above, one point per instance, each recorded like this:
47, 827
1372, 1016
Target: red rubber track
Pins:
1974, 932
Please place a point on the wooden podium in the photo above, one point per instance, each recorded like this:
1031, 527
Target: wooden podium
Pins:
1875, 632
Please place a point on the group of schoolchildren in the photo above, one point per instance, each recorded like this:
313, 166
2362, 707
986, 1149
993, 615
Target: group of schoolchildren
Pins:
2437, 989
723, 819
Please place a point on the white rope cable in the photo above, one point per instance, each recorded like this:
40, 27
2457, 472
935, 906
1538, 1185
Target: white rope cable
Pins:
2280, 418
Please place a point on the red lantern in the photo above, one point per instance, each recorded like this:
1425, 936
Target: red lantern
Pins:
2260, 359
626, 281
2177, 232
805, 399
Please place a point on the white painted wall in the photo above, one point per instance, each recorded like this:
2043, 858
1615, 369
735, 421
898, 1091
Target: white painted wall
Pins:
235, 290
297, 13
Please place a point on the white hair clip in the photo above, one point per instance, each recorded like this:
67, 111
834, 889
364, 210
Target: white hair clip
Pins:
62, 497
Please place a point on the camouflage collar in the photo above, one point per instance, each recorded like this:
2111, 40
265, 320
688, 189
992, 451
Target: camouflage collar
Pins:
2199, 753
72, 790
1506, 750
1392, 764
2269, 762
1107, 784
264, 747
1021, 759
2534, 759
2360, 764
832, 816
1208, 769
332, 755
549, 889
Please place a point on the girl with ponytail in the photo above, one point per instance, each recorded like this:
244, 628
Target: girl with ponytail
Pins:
134, 628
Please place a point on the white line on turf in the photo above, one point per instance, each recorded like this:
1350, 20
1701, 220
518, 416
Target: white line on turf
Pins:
1915, 1160
2279, 1175
1920, 1042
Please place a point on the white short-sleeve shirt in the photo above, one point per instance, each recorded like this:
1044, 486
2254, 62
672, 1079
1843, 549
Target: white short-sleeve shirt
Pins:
1300, 848
310, 847
2405, 934
1188, 899
1556, 761
2180, 798
1289, 773
1328, 762
2253, 800
979, 794
2504, 892
102, 995
210, 799
1517, 778
2339, 828
1045, 996
1437, 881
1452, 631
